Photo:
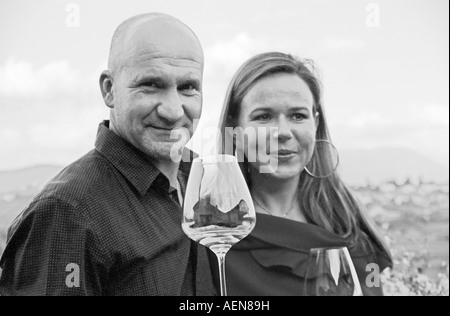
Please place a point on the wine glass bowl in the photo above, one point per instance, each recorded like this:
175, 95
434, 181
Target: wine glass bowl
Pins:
218, 210
330, 272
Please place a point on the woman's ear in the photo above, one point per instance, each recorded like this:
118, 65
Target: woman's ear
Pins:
317, 119
106, 87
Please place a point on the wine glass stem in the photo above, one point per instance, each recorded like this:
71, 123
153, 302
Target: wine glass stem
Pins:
223, 282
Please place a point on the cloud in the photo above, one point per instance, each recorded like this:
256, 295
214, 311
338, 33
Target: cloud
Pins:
224, 27
21, 79
412, 117
423, 128
436, 114
342, 45
49, 114
223, 58
72, 129
9, 138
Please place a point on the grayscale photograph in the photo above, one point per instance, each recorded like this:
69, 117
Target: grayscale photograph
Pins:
239, 148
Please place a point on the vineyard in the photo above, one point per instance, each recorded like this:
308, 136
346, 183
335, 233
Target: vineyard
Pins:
413, 216
415, 220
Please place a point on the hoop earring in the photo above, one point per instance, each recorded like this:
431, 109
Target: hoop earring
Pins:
335, 167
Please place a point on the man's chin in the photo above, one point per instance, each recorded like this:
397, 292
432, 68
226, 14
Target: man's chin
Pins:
164, 151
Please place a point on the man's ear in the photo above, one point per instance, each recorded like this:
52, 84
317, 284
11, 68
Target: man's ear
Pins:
106, 86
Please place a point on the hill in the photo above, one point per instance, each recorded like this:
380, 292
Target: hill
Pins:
356, 167
19, 180
379, 165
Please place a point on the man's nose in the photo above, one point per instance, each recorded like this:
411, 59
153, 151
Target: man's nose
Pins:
171, 108
283, 132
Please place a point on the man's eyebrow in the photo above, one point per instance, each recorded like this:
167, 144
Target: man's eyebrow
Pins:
191, 79
145, 78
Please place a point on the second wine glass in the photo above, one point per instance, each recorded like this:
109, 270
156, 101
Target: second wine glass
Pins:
331, 272
218, 210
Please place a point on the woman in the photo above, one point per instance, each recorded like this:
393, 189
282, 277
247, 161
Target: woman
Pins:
302, 203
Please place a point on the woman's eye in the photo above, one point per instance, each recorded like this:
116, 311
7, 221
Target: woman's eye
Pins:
299, 116
263, 117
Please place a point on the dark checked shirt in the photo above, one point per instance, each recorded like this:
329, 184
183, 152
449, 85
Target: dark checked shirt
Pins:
109, 224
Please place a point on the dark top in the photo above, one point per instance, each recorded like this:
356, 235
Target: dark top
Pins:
108, 224
272, 260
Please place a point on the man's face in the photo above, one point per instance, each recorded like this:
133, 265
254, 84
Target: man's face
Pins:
157, 91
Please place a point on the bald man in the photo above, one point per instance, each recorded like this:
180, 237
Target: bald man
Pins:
110, 223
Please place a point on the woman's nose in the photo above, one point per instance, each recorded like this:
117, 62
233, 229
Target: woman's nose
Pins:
171, 108
283, 131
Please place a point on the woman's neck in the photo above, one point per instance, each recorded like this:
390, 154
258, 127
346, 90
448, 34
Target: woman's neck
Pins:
277, 197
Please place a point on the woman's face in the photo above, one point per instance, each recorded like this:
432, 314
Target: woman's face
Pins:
282, 104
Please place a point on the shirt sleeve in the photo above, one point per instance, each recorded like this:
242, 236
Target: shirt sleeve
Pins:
52, 250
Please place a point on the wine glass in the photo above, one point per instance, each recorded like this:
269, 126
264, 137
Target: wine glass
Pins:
218, 208
330, 272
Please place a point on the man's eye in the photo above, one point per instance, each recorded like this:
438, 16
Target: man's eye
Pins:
149, 84
188, 87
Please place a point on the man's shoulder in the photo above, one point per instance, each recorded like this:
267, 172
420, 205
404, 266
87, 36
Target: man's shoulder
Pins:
68, 194
78, 180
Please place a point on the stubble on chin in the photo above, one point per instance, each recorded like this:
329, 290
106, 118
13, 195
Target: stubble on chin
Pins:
156, 150
160, 151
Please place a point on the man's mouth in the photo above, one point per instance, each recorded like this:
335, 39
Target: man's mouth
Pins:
162, 128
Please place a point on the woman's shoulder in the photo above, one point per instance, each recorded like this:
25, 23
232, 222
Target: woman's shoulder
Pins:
275, 232
371, 252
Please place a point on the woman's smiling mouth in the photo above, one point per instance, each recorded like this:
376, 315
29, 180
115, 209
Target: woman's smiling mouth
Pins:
285, 154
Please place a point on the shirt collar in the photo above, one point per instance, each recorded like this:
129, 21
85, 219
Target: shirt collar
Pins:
134, 165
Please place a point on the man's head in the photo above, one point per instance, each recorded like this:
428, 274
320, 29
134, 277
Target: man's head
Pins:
154, 82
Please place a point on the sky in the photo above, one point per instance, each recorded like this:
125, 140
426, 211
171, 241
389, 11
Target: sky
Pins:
384, 65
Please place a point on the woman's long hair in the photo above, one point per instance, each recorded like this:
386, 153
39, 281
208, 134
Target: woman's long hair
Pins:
325, 202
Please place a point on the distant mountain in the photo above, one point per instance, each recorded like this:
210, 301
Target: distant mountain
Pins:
13, 181
378, 165
356, 167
